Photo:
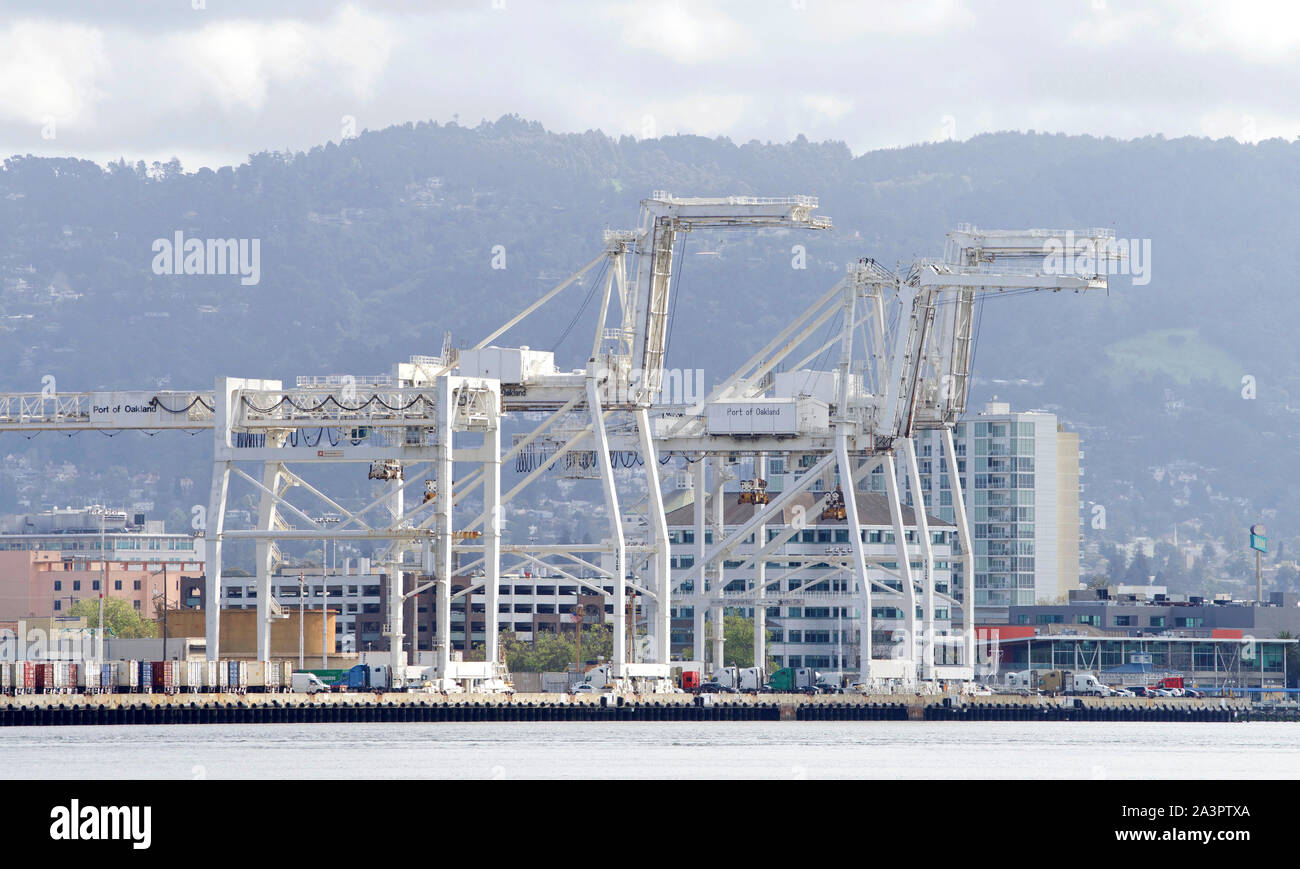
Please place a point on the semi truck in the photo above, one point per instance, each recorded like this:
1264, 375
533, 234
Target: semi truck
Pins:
750, 679
793, 680
364, 677
596, 679
1066, 682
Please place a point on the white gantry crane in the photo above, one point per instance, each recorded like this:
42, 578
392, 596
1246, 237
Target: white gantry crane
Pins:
903, 342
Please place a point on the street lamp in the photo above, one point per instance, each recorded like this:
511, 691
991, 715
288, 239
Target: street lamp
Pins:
325, 586
579, 615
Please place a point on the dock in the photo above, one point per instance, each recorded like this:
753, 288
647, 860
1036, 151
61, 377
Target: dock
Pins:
378, 707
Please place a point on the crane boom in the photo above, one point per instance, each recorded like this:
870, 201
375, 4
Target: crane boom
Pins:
663, 217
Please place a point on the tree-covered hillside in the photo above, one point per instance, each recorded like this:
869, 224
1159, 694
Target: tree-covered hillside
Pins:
371, 249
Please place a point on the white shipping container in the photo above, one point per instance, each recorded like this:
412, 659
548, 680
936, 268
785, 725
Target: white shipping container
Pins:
6, 677
189, 675
210, 680
128, 674
507, 364
88, 676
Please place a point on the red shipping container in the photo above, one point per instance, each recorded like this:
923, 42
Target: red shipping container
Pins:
164, 675
44, 677
28, 678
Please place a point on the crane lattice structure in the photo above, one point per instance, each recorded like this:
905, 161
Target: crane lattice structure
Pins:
904, 341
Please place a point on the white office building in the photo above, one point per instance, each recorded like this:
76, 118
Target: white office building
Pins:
1020, 474
815, 623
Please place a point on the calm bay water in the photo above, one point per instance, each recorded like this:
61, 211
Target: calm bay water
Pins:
789, 750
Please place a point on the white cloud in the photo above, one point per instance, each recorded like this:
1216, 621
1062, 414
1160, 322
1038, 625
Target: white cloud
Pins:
1257, 30
51, 69
686, 33
702, 115
233, 80
837, 20
1108, 26
238, 62
828, 106
1248, 127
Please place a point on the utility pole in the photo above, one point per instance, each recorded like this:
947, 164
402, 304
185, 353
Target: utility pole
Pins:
103, 588
302, 622
164, 637
579, 615
324, 621
839, 645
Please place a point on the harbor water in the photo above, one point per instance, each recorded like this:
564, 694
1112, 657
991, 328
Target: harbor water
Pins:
676, 750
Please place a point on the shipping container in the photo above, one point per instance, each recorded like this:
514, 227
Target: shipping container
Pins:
189, 675
25, 677
286, 674
45, 678
162, 676
88, 677
65, 677
6, 678
128, 676
145, 677
211, 681
257, 675
108, 676
235, 675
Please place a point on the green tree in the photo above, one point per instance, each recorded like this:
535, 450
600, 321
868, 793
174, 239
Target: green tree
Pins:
120, 618
738, 632
552, 651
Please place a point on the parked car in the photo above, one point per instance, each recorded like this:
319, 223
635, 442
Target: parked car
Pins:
716, 688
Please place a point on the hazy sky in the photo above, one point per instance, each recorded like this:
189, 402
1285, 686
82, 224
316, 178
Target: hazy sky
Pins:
156, 78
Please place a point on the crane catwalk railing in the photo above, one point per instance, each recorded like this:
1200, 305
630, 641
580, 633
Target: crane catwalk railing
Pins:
142, 409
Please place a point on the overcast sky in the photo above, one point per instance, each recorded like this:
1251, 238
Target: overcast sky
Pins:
155, 78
